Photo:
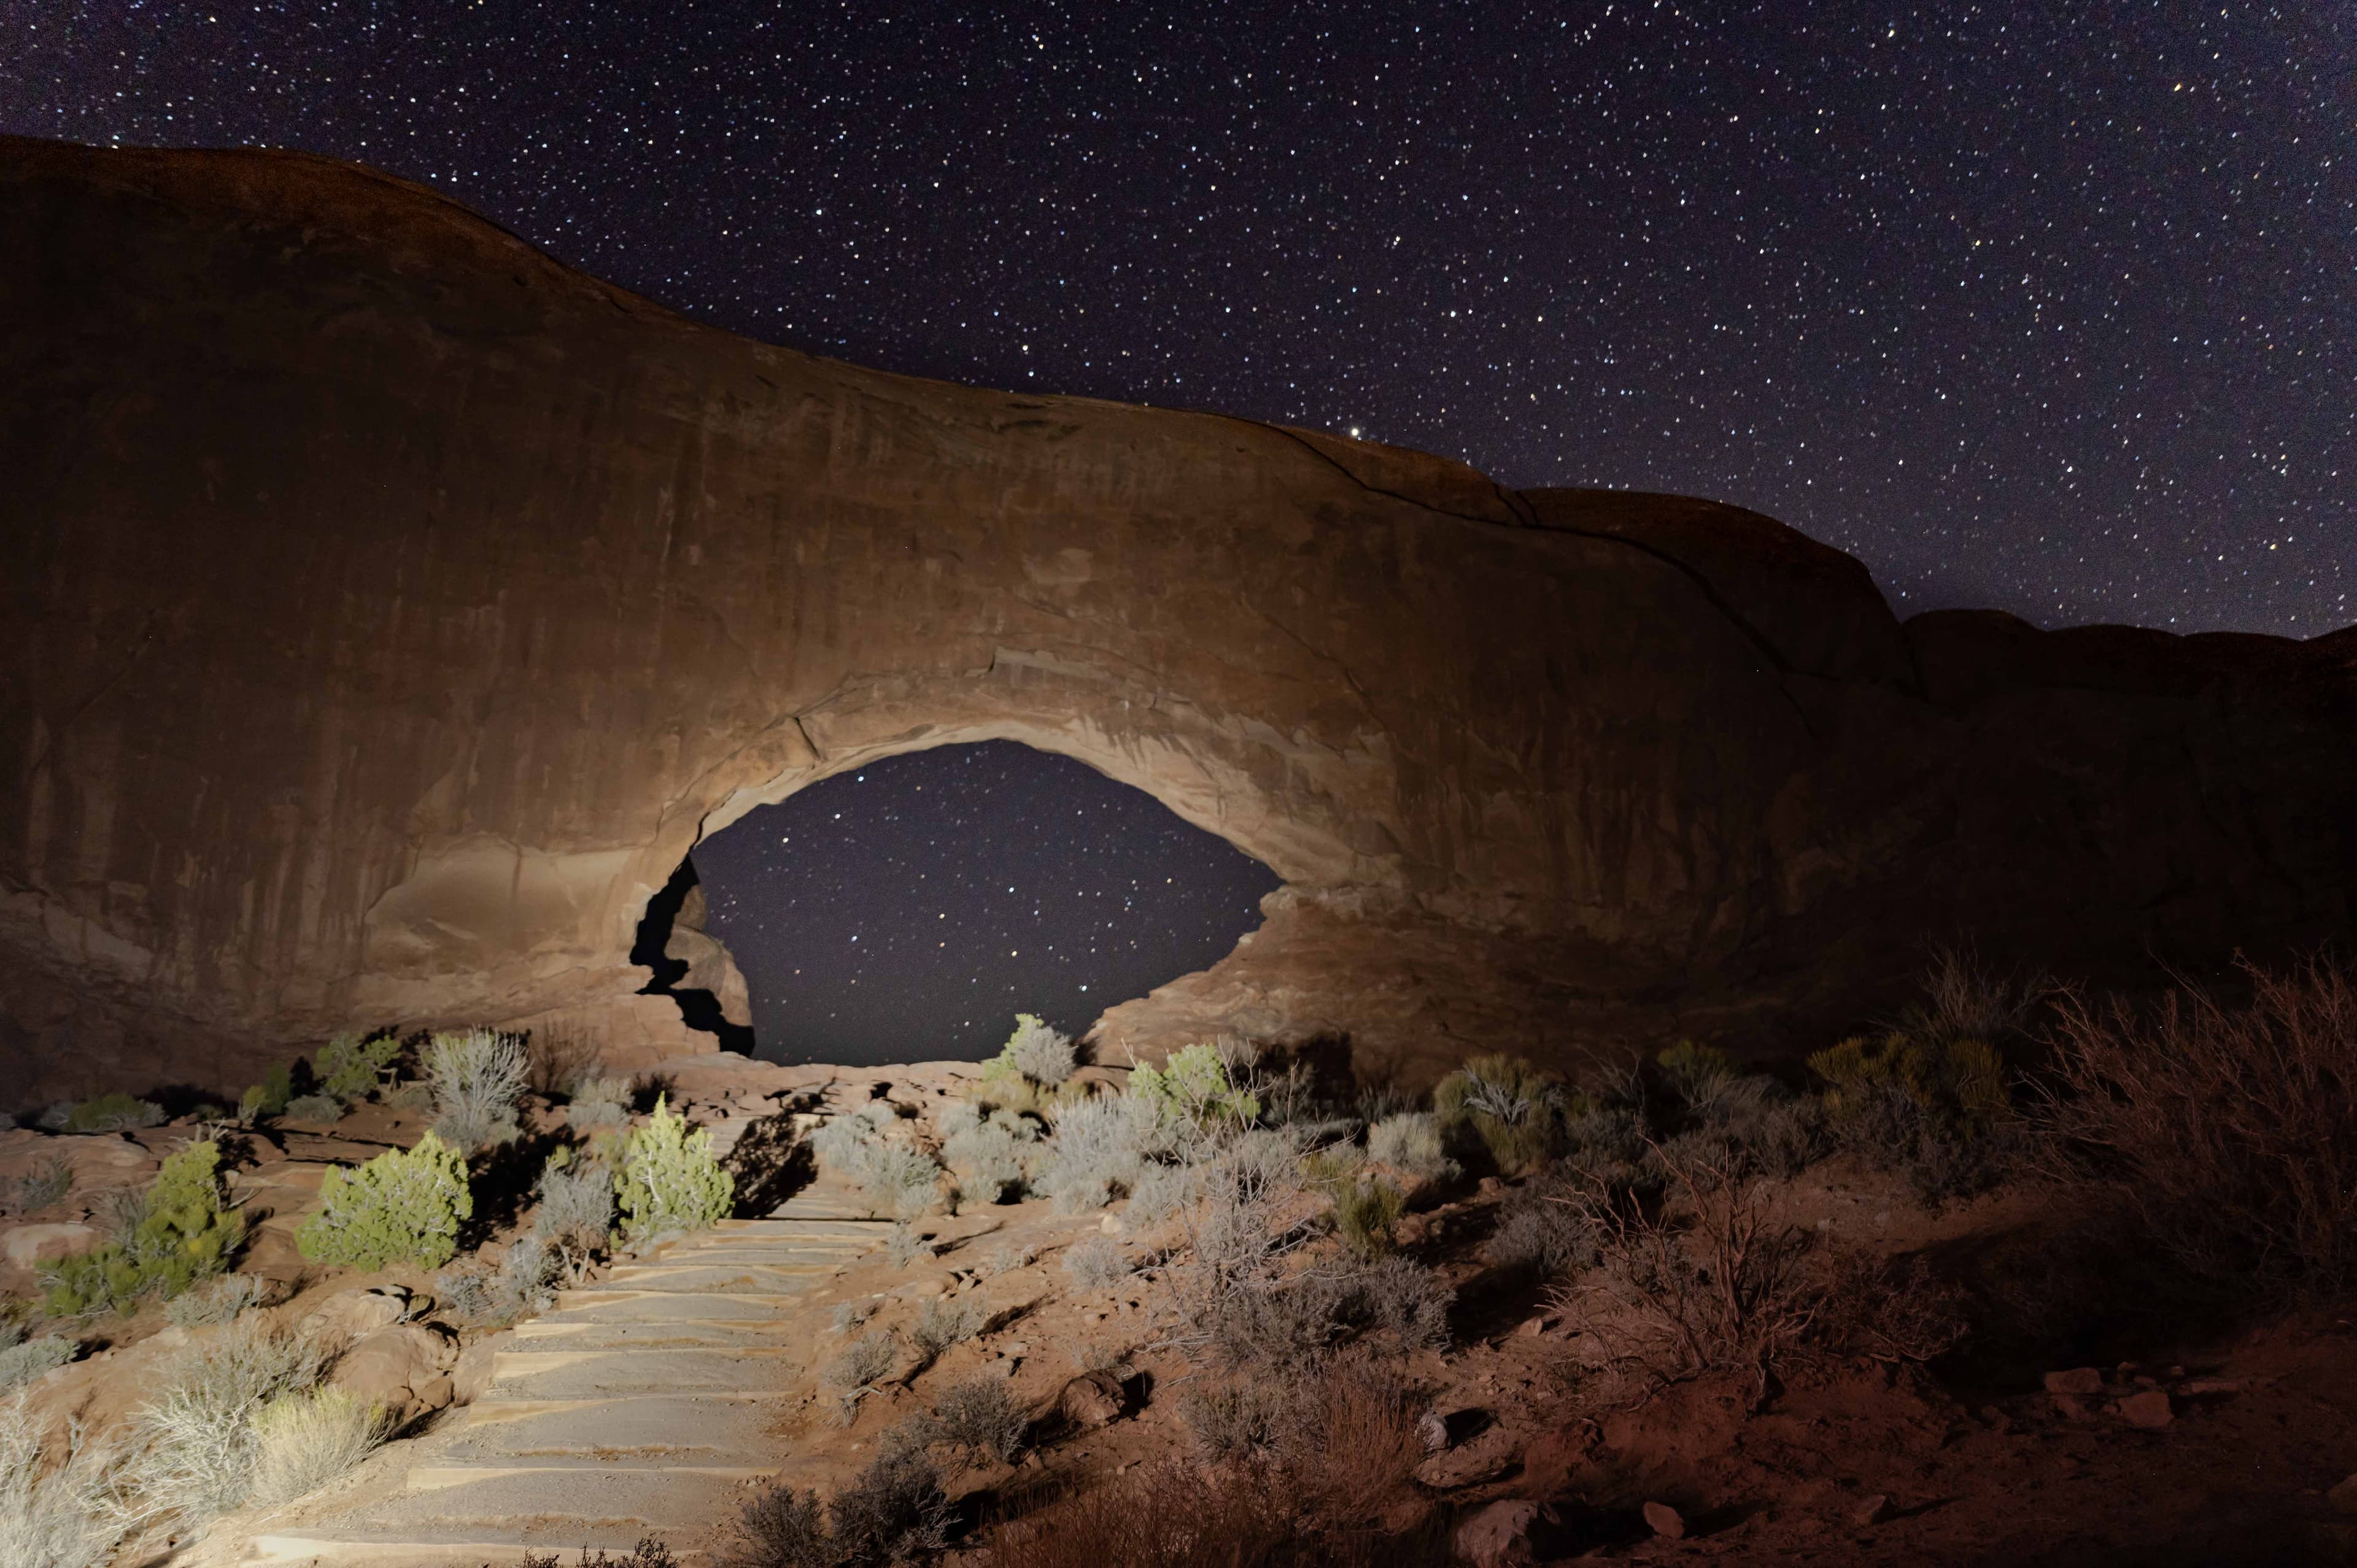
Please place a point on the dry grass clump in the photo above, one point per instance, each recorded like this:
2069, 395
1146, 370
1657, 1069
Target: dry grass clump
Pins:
57, 1509
196, 1443
978, 1416
218, 1302
866, 1145
2230, 1131
941, 1323
853, 1369
476, 1077
1096, 1262
1885, 1309
304, 1440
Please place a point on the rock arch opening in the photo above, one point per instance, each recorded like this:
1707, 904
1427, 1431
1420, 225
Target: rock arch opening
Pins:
907, 909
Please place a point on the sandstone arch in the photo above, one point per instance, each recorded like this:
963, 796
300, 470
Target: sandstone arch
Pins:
395, 606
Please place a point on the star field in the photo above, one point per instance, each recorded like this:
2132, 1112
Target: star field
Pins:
2040, 305
906, 911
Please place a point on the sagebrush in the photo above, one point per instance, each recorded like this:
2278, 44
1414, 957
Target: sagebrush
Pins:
669, 1181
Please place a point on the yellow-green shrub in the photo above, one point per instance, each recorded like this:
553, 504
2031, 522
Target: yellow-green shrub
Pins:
183, 1234
1962, 1077
404, 1206
667, 1179
1194, 1084
1515, 1109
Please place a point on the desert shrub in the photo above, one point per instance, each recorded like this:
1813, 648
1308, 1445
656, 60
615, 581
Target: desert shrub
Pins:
906, 1244
1201, 1086
1237, 1516
896, 1177
1880, 1308
475, 1075
598, 1101
520, 1284
977, 1415
1707, 1280
650, 1552
107, 1113
1696, 1074
669, 1180
1963, 1000
1037, 1052
1543, 1227
1515, 1109
1160, 1191
313, 1108
892, 1511
1099, 1150
850, 1314
173, 1235
2230, 1131
1938, 1112
351, 1068
574, 1206
57, 1511
1410, 1143
49, 1185
219, 1301
988, 1151
941, 1323
1095, 1262
303, 1440
1366, 1212
269, 1097
1234, 1417
558, 1059
21, 1363
1294, 1324
855, 1369
405, 1206
196, 1443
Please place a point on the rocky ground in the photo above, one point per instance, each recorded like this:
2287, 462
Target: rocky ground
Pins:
2212, 1445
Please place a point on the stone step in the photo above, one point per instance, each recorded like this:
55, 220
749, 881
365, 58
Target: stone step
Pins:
455, 1549
541, 1429
712, 1334
739, 1468
588, 1373
554, 1503
665, 1306
795, 1227
808, 1205
778, 1278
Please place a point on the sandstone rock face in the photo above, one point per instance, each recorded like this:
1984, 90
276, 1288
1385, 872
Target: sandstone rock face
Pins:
405, 1368
393, 609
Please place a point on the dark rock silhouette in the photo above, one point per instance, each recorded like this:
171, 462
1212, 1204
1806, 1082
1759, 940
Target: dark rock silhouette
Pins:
393, 607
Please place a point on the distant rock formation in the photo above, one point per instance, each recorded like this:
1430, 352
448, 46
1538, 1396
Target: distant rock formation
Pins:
393, 607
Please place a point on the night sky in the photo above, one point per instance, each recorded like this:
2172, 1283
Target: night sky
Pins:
2042, 305
908, 910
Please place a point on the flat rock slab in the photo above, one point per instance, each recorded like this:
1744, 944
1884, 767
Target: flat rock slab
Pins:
580, 1374
557, 1504
755, 1279
711, 1333
664, 1307
668, 1428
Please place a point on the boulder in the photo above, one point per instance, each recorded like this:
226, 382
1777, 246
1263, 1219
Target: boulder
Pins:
406, 1368
2343, 1495
1498, 1535
1092, 1400
27, 1245
1665, 1521
471, 1374
353, 1315
2149, 1409
2077, 1381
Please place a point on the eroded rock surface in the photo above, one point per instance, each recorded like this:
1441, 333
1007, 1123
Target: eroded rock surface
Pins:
393, 607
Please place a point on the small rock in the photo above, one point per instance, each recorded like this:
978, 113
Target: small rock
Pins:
2071, 1406
1110, 1225
2077, 1381
1487, 1457
2343, 1497
2148, 1409
2200, 1386
1498, 1536
1665, 1521
1432, 1431
1872, 1510
1532, 1328
1092, 1400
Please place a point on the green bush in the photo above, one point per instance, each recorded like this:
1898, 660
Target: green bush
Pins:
1940, 1113
107, 1113
669, 1180
315, 1108
1697, 1074
269, 1097
23, 1363
404, 1206
1367, 1213
351, 1069
1513, 1108
181, 1234
1197, 1085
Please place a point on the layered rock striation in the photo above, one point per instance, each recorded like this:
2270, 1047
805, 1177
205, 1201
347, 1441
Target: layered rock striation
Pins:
393, 608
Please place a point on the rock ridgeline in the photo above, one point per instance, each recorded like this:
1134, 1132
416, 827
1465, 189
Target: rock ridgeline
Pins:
393, 607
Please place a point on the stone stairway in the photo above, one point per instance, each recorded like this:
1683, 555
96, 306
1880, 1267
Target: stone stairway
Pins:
644, 1404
